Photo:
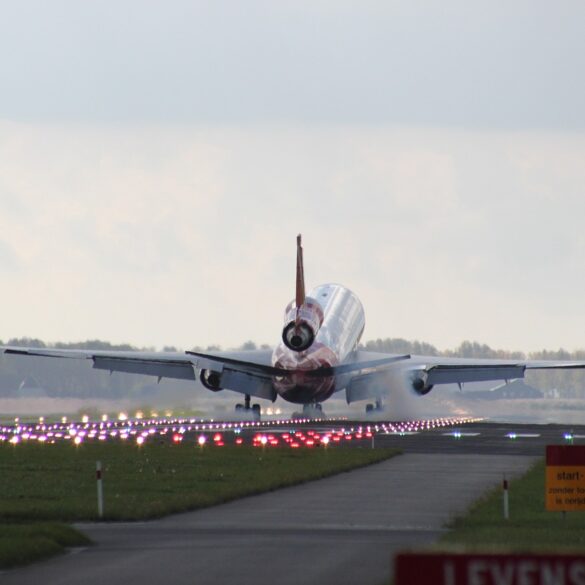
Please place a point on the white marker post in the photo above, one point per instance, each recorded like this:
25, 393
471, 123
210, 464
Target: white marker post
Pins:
100, 491
506, 501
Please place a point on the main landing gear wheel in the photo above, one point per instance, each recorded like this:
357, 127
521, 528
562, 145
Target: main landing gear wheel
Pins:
375, 408
310, 411
248, 410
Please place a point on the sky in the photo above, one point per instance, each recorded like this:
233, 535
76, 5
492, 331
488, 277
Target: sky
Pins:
157, 160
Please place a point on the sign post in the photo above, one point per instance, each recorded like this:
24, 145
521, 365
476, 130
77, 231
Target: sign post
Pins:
506, 499
100, 491
565, 478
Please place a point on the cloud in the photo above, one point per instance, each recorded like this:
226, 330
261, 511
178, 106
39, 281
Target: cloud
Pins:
164, 235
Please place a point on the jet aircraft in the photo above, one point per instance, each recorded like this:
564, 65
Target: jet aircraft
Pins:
317, 356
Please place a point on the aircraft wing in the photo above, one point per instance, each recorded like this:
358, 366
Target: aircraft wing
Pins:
462, 370
247, 372
364, 375
421, 373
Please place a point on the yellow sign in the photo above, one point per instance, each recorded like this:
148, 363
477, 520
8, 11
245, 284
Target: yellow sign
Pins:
565, 478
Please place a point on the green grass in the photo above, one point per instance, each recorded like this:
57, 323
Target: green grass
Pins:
57, 482
41, 485
24, 543
530, 527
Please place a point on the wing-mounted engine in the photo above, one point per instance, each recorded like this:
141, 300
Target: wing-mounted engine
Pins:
301, 324
419, 383
211, 380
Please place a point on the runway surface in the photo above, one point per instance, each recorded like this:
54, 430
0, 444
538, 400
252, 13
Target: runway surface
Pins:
343, 529
484, 438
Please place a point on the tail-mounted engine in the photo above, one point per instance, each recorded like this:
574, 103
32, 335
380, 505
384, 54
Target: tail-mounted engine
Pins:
211, 380
420, 385
301, 324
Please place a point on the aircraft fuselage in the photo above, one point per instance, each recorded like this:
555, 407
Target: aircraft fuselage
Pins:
341, 327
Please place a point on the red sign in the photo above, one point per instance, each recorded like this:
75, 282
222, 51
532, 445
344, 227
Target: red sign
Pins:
565, 455
565, 477
488, 569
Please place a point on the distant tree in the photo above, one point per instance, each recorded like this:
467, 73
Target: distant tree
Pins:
170, 349
399, 345
26, 342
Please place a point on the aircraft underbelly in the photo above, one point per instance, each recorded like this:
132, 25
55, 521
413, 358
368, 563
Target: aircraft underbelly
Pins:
303, 390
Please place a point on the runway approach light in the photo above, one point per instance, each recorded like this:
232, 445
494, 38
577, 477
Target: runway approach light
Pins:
202, 440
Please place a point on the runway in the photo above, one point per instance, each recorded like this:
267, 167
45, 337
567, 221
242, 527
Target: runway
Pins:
484, 438
343, 529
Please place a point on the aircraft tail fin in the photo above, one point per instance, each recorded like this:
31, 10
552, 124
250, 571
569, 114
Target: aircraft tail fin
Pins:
300, 295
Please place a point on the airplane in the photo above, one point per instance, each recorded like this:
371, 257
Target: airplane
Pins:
317, 356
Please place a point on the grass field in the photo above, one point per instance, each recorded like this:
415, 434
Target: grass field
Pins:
24, 543
41, 485
57, 482
530, 527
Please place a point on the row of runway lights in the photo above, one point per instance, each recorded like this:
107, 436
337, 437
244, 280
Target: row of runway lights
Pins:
177, 428
124, 429
294, 439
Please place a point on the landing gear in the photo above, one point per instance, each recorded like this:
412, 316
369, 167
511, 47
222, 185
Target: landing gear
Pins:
311, 410
248, 410
375, 408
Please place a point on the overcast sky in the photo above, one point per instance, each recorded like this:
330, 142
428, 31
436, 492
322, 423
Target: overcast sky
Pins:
157, 160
